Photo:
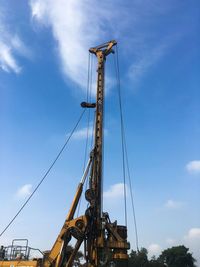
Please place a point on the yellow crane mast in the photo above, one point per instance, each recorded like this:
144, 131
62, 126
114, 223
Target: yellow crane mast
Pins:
103, 241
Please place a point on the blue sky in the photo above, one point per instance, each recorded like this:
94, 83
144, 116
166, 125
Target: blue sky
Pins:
43, 78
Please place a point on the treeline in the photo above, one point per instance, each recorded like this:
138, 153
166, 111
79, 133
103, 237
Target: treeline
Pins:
178, 256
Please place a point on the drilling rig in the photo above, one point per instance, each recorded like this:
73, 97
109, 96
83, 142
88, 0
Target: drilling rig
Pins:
103, 241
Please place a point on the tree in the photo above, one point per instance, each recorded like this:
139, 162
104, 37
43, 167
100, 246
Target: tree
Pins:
138, 258
177, 257
172, 257
154, 262
78, 257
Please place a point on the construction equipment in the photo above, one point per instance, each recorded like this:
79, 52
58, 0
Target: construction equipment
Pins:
103, 241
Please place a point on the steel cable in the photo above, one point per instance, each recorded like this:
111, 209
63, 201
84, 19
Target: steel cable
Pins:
132, 202
122, 132
125, 151
88, 98
45, 175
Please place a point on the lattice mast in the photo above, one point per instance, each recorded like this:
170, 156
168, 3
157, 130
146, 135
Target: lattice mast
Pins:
105, 236
96, 178
96, 182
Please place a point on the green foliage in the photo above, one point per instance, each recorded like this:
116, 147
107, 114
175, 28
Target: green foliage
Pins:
172, 257
138, 258
78, 257
177, 257
154, 263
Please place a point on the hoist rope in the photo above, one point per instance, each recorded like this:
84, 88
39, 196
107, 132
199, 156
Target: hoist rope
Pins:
88, 76
131, 193
92, 135
45, 175
126, 155
122, 134
122, 131
89, 88
88, 98
90, 119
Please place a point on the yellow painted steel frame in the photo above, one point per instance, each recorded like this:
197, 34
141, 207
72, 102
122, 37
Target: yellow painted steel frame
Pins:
116, 240
77, 225
71, 225
20, 263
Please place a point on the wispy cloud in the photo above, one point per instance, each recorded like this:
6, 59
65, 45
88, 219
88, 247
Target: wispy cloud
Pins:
150, 56
24, 191
83, 133
193, 234
115, 191
171, 204
76, 26
146, 61
192, 240
20, 47
10, 45
193, 167
7, 60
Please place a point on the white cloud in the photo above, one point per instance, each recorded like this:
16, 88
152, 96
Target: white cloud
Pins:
171, 204
193, 166
24, 191
150, 56
154, 250
76, 26
193, 234
145, 61
38, 9
20, 47
10, 44
115, 191
7, 60
82, 133
192, 240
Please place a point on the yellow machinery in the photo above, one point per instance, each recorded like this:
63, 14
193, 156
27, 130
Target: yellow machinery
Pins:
103, 241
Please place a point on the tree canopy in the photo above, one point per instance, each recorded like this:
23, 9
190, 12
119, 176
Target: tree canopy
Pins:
178, 256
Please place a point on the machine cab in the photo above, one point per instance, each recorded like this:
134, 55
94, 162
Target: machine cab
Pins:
19, 251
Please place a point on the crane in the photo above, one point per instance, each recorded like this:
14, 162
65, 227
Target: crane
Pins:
103, 240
